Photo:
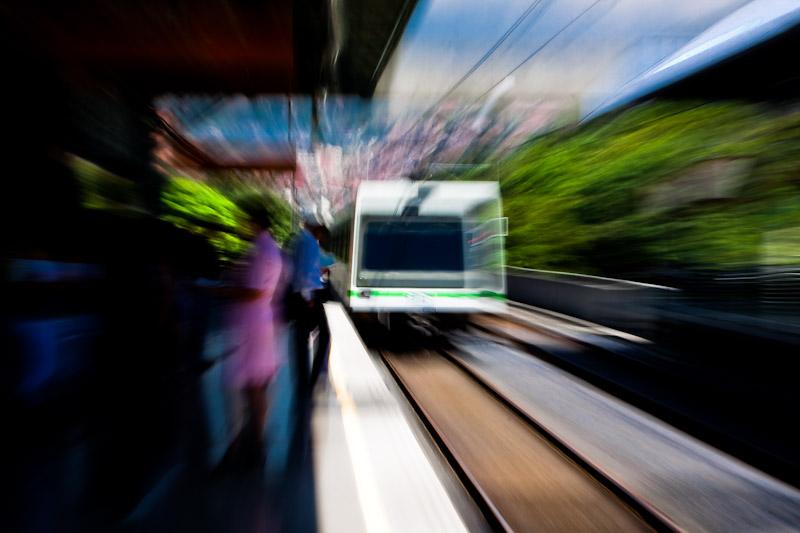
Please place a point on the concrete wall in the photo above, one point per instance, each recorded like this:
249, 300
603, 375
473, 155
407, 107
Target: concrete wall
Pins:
624, 305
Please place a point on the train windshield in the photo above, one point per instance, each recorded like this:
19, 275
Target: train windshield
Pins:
414, 252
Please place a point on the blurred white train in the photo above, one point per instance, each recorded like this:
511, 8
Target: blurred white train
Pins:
421, 247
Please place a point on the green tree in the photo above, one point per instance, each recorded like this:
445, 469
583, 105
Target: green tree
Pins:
577, 198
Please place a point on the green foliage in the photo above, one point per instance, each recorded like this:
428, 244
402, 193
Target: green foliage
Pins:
222, 218
102, 189
577, 199
280, 211
201, 209
199, 202
219, 215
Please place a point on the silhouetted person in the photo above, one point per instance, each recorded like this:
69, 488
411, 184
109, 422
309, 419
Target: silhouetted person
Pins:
306, 299
255, 361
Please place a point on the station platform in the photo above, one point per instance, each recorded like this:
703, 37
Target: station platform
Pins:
357, 460
374, 468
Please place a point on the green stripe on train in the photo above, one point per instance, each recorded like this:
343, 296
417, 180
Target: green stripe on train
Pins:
481, 294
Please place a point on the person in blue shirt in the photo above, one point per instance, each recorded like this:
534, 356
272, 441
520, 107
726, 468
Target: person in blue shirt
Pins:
305, 301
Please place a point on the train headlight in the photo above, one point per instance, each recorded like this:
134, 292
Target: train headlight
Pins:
365, 293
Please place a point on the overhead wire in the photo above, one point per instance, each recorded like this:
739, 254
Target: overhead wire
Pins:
541, 47
533, 5
492, 49
519, 65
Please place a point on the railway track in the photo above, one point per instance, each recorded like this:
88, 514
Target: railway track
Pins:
685, 396
522, 477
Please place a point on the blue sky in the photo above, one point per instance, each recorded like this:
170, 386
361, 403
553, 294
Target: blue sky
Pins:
605, 48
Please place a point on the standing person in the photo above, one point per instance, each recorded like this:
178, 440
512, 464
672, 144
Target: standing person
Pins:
327, 260
255, 360
307, 297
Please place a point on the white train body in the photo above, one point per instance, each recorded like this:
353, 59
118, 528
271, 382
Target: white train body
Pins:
421, 247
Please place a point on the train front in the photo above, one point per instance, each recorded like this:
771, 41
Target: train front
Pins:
428, 247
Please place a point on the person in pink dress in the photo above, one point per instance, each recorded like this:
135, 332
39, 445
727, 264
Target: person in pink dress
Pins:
256, 358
